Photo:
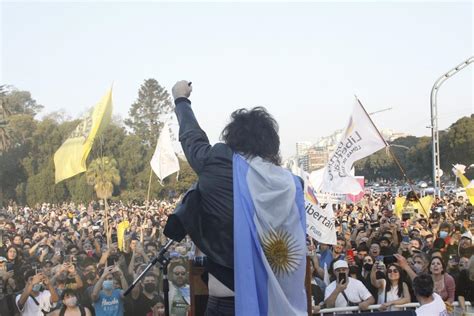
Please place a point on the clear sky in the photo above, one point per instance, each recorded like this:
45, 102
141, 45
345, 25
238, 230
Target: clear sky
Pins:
303, 61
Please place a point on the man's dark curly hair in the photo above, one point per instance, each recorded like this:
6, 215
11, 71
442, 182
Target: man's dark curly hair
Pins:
253, 133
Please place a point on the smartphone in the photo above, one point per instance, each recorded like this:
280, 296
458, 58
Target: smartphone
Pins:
389, 259
342, 277
111, 261
406, 216
114, 238
9, 266
350, 254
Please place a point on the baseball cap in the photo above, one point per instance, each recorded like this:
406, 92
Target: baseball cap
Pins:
340, 264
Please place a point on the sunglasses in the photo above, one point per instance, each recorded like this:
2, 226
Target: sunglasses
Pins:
393, 271
179, 273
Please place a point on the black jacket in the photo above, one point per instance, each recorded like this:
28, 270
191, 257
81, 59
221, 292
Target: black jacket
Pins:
206, 214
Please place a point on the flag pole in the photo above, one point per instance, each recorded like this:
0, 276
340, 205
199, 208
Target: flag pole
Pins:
149, 188
397, 162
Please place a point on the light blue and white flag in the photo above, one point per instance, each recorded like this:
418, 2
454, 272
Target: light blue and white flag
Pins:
269, 239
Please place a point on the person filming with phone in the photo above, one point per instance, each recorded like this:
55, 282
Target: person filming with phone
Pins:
346, 291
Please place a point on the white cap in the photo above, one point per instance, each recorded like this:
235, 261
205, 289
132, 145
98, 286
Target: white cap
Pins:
340, 264
466, 235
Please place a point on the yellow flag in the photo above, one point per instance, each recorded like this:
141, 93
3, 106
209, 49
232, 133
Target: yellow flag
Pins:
70, 158
465, 183
423, 206
121, 228
399, 204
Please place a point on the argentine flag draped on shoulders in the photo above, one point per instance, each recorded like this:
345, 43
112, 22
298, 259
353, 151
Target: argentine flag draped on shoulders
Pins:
269, 239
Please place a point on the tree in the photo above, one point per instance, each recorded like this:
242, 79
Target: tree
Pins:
13, 102
18, 101
149, 112
103, 174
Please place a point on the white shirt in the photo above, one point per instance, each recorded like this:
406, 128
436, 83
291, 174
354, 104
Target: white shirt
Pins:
31, 309
435, 308
356, 292
392, 295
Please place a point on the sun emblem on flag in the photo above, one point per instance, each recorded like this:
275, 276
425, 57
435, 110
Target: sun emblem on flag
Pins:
282, 251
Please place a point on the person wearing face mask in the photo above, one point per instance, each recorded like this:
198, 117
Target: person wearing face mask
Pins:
420, 263
70, 306
367, 265
145, 296
35, 300
90, 279
108, 301
443, 232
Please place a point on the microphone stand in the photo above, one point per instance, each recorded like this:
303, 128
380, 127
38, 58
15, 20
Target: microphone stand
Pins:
163, 261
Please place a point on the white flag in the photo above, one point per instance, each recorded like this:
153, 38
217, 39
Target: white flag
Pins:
164, 161
459, 169
360, 140
320, 222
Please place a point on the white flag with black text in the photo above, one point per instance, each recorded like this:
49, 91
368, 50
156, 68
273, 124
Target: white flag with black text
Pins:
360, 139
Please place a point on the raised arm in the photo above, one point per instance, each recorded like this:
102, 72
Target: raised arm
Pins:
193, 139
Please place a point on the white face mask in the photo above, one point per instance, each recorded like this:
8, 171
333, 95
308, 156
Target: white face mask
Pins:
417, 268
70, 301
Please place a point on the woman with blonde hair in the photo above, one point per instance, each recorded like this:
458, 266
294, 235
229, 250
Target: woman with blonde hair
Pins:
466, 286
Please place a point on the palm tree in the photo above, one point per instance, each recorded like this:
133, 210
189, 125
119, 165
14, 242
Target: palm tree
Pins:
103, 174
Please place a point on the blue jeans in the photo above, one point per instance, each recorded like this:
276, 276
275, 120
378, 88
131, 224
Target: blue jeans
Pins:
220, 306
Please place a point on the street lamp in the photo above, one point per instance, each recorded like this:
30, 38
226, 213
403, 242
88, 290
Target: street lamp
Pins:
434, 121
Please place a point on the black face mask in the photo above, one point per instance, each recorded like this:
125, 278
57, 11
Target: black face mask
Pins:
150, 287
368, 266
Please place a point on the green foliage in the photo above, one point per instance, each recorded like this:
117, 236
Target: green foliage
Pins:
27, 167
149, 112
103, 174
456, 146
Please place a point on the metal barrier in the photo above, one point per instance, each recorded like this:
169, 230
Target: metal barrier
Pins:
374, 308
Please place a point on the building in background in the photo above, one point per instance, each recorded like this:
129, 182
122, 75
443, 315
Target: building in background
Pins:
314, 156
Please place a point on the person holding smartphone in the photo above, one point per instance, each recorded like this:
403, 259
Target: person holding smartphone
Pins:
346, 291
392, 290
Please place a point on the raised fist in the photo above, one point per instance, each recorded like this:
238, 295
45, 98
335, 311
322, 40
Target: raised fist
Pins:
181, 89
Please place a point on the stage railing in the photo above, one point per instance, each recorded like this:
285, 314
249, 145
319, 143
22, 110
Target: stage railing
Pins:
373, 308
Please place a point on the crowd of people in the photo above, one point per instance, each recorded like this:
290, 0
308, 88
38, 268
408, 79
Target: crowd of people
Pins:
71, 260
380, 258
